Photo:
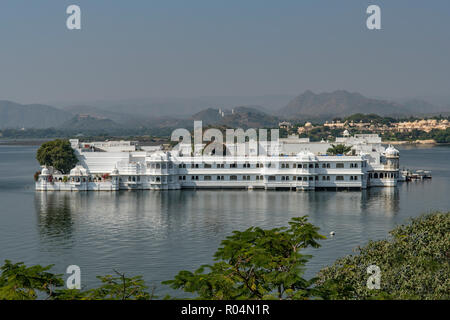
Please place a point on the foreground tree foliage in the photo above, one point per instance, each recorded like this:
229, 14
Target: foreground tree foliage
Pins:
18, 282
58, 154
414, 263
256, 264
268, 264
114, 287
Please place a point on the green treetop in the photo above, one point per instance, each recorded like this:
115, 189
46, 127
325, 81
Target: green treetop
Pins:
339, 149
256, 264
58, 154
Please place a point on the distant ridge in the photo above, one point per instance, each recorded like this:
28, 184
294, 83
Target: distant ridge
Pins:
238, 117
84, 123
338, 103
140, 115
39, 116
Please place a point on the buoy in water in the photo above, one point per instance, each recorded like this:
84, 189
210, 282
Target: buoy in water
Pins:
332, 233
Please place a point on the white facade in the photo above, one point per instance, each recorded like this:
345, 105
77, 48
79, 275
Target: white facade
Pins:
301, 165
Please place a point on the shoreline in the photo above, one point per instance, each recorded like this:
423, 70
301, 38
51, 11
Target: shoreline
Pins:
416, 142
38, 142
24, 142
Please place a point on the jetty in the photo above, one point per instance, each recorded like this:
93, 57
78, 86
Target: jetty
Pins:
409, 175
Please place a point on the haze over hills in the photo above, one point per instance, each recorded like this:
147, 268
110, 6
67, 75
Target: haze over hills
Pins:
339, 103
185, 107
83, 123
420, 106
125, 119
162, 113
239, 117
15, 115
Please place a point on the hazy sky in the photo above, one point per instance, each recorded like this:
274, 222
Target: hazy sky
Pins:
188, 48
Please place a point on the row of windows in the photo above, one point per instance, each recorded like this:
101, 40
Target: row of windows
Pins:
338, 165
249, 178
299, 165
270, 178
160, 166
381, 175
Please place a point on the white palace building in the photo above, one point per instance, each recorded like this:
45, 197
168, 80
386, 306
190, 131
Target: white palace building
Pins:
298, 165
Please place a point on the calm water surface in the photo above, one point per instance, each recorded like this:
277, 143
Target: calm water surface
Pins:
156, 234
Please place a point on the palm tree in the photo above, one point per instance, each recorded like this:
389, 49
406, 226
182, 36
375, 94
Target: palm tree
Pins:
339, 149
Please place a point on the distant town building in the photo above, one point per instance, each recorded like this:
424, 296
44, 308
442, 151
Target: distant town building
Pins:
306, 128
423, 125
285, 125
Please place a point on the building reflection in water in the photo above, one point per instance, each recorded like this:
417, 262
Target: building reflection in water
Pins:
54, 214
159, 233
159, 214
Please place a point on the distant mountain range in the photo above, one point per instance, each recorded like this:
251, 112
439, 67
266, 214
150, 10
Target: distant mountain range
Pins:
39, 116
83, 123
172, 113
341, 103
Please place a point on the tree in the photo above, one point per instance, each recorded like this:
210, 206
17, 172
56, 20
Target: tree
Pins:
119, 287
267, 264
414, 263
256, 264
18, 282
339, 149
58, 154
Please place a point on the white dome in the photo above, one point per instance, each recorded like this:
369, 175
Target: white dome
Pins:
159, 156
306, 156
75, 172
115, 171
45, 171
79, 171
391, 151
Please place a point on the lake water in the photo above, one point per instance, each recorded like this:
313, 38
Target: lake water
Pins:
156, 234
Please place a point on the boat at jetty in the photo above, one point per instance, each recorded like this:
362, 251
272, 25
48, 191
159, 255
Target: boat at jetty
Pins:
408, 175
